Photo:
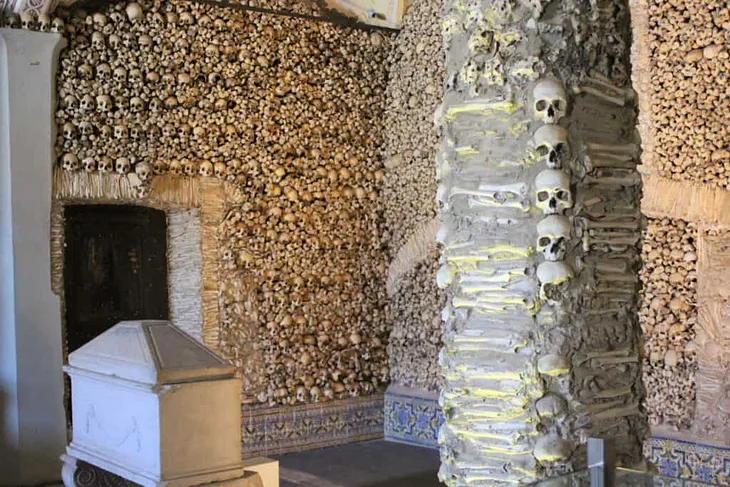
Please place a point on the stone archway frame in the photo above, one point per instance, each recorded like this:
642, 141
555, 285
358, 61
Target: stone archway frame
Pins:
169, 194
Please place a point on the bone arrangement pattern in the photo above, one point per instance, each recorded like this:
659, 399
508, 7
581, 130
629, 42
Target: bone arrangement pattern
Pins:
539, 200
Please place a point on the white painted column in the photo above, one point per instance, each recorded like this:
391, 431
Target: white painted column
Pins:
32, 424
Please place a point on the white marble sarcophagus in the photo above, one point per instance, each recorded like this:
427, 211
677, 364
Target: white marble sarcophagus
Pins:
154, 406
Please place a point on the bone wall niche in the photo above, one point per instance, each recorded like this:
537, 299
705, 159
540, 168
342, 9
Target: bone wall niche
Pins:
287, 114
415, 302
539, 197
668, 318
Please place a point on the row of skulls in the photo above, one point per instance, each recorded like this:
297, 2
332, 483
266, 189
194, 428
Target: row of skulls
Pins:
145, 170
552, 186
30, 20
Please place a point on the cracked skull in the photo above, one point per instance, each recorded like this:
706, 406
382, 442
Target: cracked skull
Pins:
553, 235
551, 145
552, 192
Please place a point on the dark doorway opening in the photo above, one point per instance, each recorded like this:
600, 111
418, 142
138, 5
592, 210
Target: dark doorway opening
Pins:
115, 268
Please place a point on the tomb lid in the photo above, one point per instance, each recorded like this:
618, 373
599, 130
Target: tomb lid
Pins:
151, 352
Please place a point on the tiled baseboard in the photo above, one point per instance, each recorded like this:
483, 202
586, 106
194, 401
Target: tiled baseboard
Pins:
689, 461
412, 416
273, 431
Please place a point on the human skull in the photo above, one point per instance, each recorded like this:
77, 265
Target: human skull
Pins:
552, 273
136, 104
220, 25
70, 162
158, 20
58, 25
122, 165
115, 42
106, 131
191, 167
120, 75
551, 101
136, 132
104, 103
142, 191
89, 164
159, 167
106, 164
27, 19
204, 21
44, 23
231, 133
145, 42
12, 21
143, 170
199, 133
87, 129
97, 41
186, 19
301, 394
212, 51
315, 393
155, 105
220, 170
120, 132
86, 71
70, 102
168, 131
170, 102
553, 235
153, 132
104, 71
68, 131
206, 169
552, 192
353, 389
135, 76
87, 103
172, 18
184, 131
176, 168
134, 12
551, 145
214, 78
99, 19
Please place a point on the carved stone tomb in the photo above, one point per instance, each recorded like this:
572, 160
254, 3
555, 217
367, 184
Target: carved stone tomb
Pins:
154, 406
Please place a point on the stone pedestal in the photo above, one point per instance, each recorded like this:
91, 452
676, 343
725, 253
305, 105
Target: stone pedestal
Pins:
32, 421
155, 407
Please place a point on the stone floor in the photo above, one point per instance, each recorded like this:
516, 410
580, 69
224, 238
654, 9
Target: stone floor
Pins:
368, 464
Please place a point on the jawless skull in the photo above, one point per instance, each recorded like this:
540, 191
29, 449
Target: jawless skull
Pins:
552, 192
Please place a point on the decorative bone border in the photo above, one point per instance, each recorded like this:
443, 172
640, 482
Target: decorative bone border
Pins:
167, 193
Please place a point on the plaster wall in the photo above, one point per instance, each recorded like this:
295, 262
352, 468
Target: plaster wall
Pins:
33, 424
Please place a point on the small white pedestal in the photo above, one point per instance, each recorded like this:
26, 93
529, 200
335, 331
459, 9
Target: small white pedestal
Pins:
152, 405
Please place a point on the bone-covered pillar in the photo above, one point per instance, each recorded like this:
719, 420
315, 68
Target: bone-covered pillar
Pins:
539, 201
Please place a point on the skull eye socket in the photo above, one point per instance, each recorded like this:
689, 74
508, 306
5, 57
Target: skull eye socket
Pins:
562, 195
543, 241
558, 105
543, 196
540, 105
543, 150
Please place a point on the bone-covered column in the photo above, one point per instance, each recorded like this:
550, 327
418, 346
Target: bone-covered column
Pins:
539, 200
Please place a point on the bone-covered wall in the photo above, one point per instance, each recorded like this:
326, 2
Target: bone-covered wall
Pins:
414, 91
668, 319
288, 115
680, 68
539, 197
